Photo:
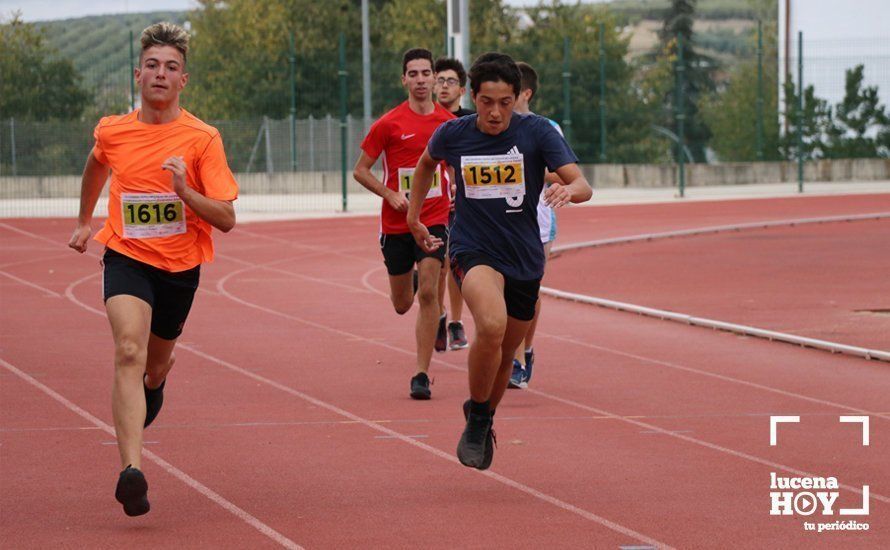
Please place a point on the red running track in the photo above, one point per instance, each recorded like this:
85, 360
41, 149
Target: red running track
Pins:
287, 420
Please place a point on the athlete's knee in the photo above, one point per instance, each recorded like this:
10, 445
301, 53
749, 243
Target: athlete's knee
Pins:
401, 307
129, 352
490, 328
427, 295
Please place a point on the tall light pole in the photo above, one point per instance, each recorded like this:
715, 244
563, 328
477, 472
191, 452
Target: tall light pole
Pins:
366, 64
458, 23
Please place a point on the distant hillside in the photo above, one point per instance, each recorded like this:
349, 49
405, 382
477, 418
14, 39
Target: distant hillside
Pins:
704, 9
99, 47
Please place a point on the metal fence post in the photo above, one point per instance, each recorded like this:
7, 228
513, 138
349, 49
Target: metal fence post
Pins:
566, 90
759, 90
311, 143
292, 58
602, 53
800, 111
343, 110
12, 146
132, 75
681, 116
270, 167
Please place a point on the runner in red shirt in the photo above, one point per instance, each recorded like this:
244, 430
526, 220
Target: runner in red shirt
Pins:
401, 136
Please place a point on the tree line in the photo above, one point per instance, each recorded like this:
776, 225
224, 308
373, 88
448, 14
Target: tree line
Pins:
244, 56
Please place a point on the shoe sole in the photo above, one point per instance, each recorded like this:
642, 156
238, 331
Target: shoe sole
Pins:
469, 458
132, 492
455, 347
421, 396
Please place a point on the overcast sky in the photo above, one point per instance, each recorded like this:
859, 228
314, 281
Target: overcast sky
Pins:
39, 10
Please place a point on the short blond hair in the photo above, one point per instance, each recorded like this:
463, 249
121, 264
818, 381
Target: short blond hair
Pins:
165, 34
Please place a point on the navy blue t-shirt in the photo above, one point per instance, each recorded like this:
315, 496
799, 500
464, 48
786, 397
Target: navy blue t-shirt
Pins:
499, 181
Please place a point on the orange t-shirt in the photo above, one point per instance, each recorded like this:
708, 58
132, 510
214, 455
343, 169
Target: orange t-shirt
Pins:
147, 221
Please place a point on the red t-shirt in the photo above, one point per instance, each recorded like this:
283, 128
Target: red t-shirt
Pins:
401, 136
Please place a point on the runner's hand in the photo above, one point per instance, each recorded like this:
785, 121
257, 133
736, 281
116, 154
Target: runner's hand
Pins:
176, 165
556, 196
396, 199
80, 238
427, 242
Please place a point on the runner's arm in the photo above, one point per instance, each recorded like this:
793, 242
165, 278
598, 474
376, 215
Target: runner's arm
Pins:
218, 213
423, 179
362, 174
94, 176
573, 187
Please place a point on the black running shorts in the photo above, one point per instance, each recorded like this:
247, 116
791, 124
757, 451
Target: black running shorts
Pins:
169, 294
520, 296
400, 251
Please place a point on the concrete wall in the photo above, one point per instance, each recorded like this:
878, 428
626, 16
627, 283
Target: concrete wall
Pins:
735, 173
600, 175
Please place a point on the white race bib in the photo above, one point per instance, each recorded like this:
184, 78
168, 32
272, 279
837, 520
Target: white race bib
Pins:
406, 181
147, 215
493, 176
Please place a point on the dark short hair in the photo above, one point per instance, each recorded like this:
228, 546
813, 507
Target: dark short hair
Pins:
529, 78
495, 67
416, 53
451, 64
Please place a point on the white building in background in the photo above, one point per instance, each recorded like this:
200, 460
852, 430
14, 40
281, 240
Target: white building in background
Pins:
837, 35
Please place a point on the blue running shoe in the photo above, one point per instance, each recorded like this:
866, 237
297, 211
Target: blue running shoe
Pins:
518, 375
529, 365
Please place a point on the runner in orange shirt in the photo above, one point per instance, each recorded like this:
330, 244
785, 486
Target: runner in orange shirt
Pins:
170, 184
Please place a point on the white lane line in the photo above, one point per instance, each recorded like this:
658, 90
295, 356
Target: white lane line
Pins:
823, 345
51, 293
69, 293
169, 468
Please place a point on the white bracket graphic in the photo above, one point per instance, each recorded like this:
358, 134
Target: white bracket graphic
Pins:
862, 420
858, 511
774, 420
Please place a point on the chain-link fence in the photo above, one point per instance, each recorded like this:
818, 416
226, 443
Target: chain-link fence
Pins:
631, 120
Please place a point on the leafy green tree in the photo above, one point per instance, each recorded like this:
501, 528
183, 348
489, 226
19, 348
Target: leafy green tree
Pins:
731, 112
240, 57
34, 83
628, 118
698, 76
859, 120
404, 24
814, 122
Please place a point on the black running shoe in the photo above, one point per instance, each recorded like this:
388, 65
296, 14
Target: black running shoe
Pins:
420, 386
132, 492
442, 334
154, 400
473, 442
490, 443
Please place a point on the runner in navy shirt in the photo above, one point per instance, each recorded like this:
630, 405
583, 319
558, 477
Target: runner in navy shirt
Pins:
498, 159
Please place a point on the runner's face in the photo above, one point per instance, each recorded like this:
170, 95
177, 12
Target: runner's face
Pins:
161, 76
418, 79
448, 93
494, 104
